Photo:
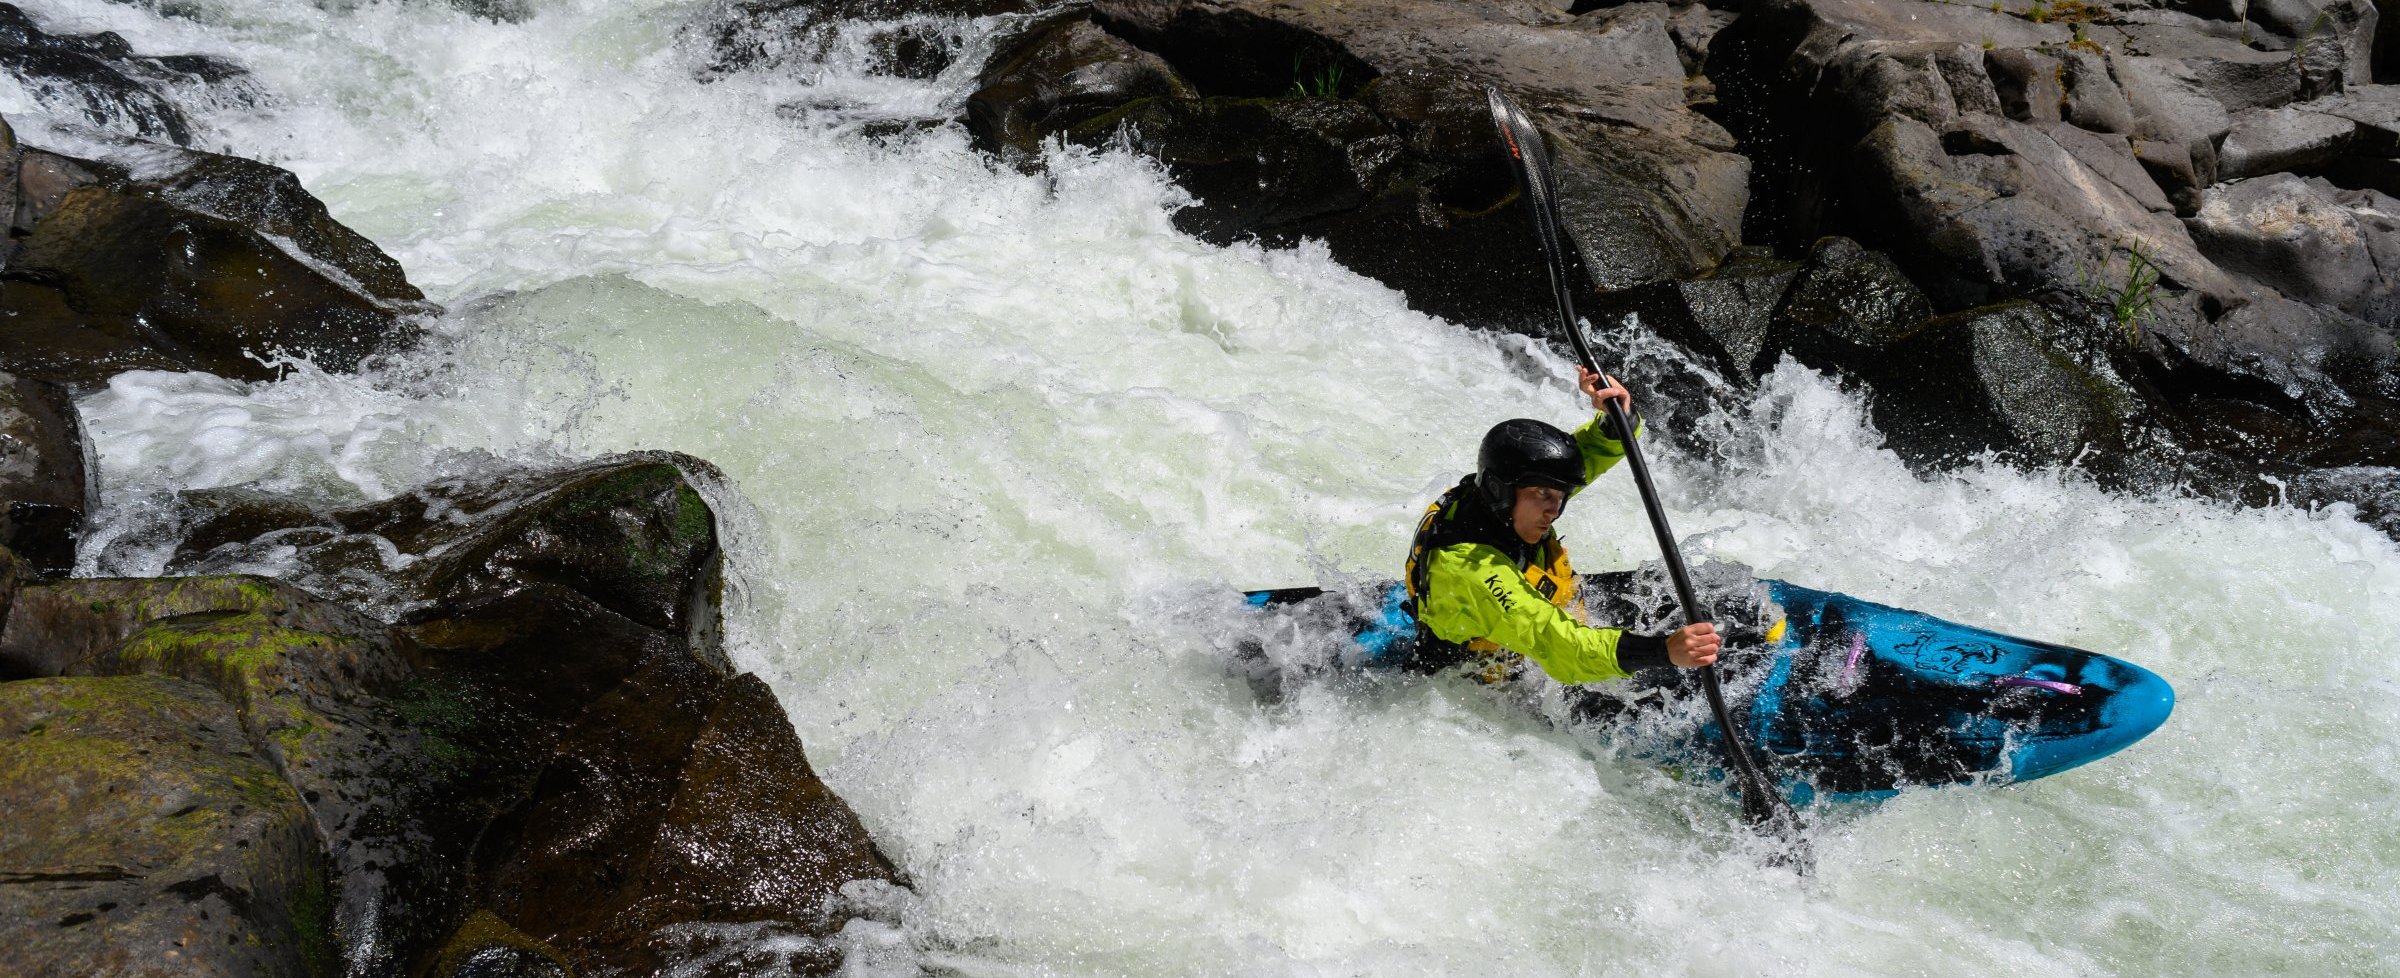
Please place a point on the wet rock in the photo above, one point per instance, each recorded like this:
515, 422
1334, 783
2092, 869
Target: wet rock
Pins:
1844, 302
13, 575
8, 187
1724, 316
1061, 78
747, 846
1259, 163
567, 689
97, 80
2306, 362
2292, 234
148, 837
321, 694
45, 486
628, 532
2011, 377
487, 947
724, 842
1362, 126
2266, 141
768, 35
158, 258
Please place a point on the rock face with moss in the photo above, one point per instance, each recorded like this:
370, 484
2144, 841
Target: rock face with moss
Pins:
147, 836
543, 759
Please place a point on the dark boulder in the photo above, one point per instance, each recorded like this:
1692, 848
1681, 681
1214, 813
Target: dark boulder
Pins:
487, 947
45, 484
1845, 303
97, 80
768, 35
629, 533
2012, 378
564, 712
1363, 126
146, 837
1259, 163
1056, 79
182, 260
1725, 317
716, 840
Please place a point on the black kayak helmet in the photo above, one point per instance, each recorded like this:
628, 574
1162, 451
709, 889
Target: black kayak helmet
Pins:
1525, 452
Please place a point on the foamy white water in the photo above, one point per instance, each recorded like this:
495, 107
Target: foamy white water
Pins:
999, 442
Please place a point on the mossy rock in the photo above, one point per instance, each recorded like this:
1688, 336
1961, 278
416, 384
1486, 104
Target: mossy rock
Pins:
487, 947
148, 838
629, 531
319, 693
548, 731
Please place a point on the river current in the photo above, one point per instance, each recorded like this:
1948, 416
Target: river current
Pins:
1000, 447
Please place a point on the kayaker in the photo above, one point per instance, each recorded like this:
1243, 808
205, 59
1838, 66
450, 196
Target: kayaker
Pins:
1489, 578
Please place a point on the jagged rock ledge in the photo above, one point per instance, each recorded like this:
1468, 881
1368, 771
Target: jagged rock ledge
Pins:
542, 759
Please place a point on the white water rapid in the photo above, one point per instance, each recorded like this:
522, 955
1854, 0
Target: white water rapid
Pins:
998, 442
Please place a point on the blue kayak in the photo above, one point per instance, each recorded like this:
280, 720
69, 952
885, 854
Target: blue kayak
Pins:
1844, 699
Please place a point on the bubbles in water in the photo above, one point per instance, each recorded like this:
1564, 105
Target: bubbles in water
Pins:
998, 442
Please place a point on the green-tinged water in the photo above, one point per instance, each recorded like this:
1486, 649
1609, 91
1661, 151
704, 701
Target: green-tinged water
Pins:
1001, 447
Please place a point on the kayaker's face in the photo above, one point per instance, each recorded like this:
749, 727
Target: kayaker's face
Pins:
1537, 508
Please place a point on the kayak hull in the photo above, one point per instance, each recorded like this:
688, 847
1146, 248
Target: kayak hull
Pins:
1845, 700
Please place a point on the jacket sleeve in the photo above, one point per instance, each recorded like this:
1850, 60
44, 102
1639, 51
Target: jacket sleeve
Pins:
1475, 592
1600, 452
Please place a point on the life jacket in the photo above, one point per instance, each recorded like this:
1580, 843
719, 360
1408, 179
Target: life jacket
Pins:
1459, 516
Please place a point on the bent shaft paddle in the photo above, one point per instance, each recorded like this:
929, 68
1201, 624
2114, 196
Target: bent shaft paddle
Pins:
1762, 803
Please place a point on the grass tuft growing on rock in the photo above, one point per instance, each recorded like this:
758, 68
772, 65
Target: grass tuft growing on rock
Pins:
2125, 303
1325, 82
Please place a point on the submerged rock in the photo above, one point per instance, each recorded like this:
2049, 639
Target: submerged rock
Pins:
160, 258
